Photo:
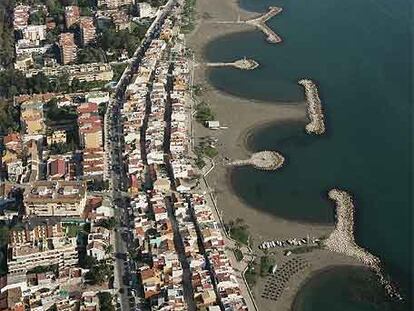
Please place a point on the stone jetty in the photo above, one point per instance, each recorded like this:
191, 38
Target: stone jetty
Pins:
342, 239
263, 160
315, 112
242, 64
260, 23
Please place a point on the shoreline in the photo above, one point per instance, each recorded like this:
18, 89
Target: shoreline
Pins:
328, 269
232, 142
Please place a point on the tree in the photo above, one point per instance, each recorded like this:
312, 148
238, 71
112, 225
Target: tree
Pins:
105, 302
88, 262
109, 249
90, 55
37, 18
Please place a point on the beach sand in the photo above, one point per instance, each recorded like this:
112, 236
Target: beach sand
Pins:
241, 116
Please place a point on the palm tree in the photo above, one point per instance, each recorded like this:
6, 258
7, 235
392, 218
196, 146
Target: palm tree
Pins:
108, 249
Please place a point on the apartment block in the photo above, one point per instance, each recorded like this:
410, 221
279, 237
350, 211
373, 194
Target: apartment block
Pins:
113, 4
41, 245
67, 48
55, 198
20, 16
34, 33
87, 30
72, 14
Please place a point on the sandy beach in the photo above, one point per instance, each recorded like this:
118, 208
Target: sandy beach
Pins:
242, 116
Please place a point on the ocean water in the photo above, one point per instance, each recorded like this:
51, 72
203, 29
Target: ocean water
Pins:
359, 52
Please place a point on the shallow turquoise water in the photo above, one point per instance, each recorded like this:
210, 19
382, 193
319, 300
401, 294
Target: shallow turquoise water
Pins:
359, 52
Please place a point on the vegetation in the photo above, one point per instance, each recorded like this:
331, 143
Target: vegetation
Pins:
13, 82
6, 33
205, 149
54, 113
97, 185
72, 230
87, 262
238, 231
197, 89
4, 237
266, 264
37, 18
102, 109
204, 113
188, 16
251, 275
118, 70
43, 269
113, 42
156, 3
238, 254
90, 55
304, 249
105, 302
99, 273
109, 223
9, 117
61, 148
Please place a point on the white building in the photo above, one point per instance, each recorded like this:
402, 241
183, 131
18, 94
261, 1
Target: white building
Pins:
34, 33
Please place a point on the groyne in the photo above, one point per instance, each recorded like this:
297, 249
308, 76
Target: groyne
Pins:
314, 108
260, 23
342, 239
263, 160
242, 64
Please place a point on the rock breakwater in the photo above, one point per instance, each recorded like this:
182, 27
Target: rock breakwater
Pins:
342, 239
314, 108
263, 160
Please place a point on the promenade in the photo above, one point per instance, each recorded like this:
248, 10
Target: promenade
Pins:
239, 266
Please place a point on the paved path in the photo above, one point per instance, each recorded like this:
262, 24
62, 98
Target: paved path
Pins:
248, 256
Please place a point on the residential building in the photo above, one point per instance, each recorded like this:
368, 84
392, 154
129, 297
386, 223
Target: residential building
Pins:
34, 33
83, 72
56, 137
87, 30
72, 14
32, 117
55, 198
113, 4
67, 48
20, 16
42, 245
145, 10
90, 126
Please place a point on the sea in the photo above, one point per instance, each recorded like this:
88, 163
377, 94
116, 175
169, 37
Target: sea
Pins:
360, 54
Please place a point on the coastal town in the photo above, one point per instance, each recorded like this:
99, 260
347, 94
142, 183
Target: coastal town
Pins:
118, 160
98, 184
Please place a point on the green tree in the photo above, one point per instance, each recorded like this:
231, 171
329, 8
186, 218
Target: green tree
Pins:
37, 18
105, 302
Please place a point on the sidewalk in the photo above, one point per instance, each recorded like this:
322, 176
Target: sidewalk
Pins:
239, 266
